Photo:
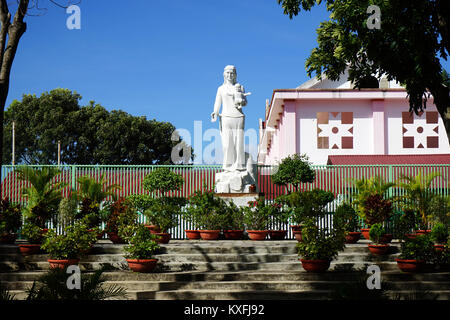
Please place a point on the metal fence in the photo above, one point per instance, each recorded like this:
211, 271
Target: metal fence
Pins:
336, 179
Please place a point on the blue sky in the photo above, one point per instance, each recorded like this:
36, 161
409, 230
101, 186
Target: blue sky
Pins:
164, 59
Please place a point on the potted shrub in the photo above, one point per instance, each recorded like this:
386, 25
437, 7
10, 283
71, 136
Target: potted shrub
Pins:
90, 196
209, 211
34, 235
234, 222
65, 249
279, 216
372, 206
377, 232
10, 221
292, 171
141, 247
163, 215
163, 212
418, 197
319, 247
415, 253
256, 218
307, 204
439, 234
346, 215
119, 212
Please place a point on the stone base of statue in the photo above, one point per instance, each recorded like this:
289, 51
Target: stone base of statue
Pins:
235, 182
239, 199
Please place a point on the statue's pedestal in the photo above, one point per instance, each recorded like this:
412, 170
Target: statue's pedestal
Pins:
235, 182
239, 199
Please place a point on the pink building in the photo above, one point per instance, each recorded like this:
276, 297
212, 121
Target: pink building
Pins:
324, 118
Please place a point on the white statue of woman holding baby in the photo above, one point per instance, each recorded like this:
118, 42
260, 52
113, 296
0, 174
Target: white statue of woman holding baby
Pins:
232, 97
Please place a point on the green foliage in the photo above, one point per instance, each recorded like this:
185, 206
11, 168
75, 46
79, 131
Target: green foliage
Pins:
91, 194
71, 244
119, 213
234, 219
141, 241
89, 134
418, 195
319, 244
52, 286
402, 48
164, 211
293, 170
439, 233
33, 233
43, 193
346, 215
162, 179
376, 233
5, 295
257, 214
207, 210
407, 222
141, 202
418, 248
10, 217
307, 204
439, 209
67, 211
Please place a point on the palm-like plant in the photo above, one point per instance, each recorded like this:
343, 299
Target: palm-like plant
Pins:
95, 190
52, 286
43, 193
91, 194
367, 188
418, 195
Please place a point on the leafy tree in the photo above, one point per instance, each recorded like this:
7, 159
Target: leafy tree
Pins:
413, 35
293, 170
88, 135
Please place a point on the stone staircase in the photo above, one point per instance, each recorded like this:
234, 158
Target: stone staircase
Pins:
228, 270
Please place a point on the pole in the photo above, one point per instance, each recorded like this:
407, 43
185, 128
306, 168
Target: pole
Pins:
59, 152
13, 142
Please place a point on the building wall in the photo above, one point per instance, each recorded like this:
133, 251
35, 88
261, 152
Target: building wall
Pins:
355, 127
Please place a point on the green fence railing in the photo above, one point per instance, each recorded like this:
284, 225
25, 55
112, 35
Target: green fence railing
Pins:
336, 179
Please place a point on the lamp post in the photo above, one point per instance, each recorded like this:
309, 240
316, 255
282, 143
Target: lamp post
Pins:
13, 143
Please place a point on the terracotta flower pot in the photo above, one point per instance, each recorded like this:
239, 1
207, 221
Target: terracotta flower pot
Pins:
192, 234
410, 265
423, 232
153, 228
315, 265
163, 237
365, 233
411, 235
8, 238
352, 237
233, 234
114, 237
277, 234
257, 235
378, 249
439, 247
209, 234
142, 265
296, 227
298, 235
62, 264
27, 249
